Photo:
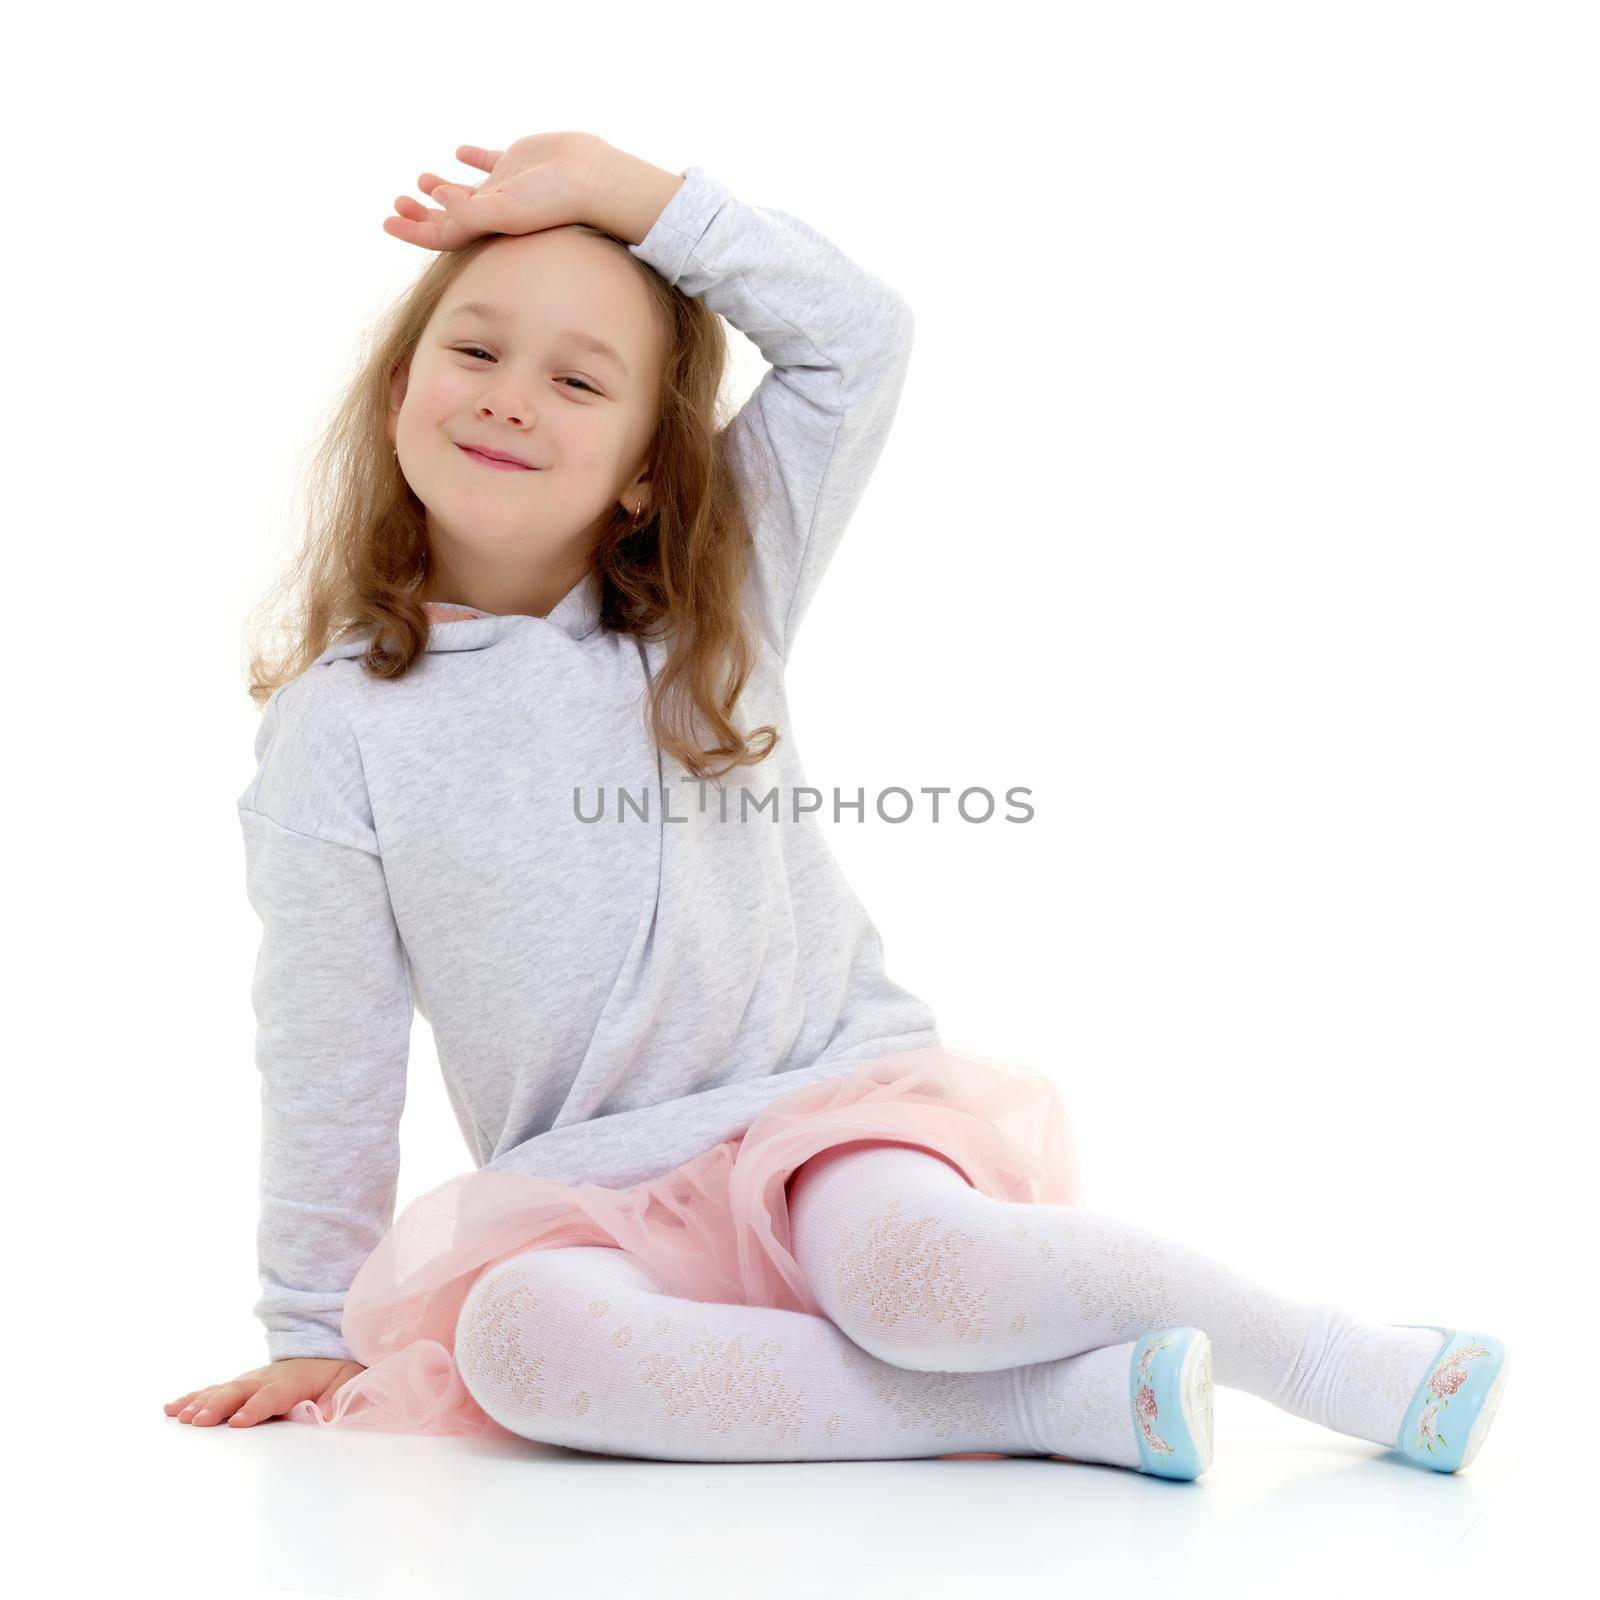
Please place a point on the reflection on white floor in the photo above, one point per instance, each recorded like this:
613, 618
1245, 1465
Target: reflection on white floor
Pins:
1287, 1508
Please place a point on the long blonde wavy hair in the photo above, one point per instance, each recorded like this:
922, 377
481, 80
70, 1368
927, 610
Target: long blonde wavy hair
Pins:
363, 560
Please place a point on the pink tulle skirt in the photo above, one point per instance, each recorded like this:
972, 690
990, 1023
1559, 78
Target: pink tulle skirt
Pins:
715, 1228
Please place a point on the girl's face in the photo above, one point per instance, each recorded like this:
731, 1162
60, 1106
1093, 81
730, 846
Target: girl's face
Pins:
506, 364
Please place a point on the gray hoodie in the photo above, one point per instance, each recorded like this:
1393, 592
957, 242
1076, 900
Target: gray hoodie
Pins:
608, 997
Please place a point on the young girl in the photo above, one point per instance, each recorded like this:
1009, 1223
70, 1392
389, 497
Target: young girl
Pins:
734, 1198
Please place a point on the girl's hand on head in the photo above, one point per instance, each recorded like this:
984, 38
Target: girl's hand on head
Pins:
269, 1391
544, 181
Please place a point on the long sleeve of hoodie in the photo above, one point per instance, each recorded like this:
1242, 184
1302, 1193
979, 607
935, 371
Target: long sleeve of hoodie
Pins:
333, 1008
839, 342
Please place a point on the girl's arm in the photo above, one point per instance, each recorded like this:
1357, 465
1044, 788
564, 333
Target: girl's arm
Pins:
332, 998
839, 340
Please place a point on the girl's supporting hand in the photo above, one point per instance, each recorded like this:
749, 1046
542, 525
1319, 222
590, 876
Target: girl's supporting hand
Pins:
544, 181
269, 1391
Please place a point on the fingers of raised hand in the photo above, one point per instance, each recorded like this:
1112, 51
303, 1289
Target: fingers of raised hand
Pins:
418, 224
475, 156
429, 181
435, 229
417, 212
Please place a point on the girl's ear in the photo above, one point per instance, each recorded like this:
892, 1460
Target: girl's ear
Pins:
636, 498
397, 394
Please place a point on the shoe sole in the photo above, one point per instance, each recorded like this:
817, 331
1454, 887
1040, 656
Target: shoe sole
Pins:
1491, 1403
1195, 1387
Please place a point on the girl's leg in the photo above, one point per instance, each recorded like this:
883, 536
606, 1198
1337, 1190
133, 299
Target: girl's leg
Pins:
579, 1346
924, 1271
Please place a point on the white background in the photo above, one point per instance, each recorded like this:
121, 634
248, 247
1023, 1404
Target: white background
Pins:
1241, 504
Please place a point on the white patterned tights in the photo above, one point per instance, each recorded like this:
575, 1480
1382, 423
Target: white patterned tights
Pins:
955, 1323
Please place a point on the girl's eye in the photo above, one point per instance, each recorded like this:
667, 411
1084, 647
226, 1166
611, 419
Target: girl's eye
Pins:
475, 350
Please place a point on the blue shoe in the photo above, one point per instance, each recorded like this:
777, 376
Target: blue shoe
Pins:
1169, 1386
1455, 1403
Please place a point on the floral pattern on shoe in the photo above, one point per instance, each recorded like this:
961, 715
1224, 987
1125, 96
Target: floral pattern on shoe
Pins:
1446, 1379
1144, 1399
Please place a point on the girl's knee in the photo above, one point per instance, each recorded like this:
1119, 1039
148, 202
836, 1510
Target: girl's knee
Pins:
523, 1332
906, 1270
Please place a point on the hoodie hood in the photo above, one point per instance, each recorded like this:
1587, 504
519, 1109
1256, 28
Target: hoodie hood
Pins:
453, 627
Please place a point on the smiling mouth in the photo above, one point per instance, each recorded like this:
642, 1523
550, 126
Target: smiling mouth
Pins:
494, 461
